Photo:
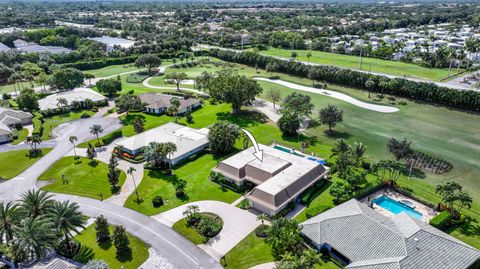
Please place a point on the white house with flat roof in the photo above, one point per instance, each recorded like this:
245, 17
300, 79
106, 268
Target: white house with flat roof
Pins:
114, 42
75, 95
189, 141
280, 178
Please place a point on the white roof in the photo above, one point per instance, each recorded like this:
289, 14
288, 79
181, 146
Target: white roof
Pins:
77, 94
4, 129
273, 159
114, 41
185, 138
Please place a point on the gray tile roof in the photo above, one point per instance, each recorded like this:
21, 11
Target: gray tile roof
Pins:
371, 240
3, 48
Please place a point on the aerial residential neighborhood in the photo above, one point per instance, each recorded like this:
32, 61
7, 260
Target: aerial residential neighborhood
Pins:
240, 134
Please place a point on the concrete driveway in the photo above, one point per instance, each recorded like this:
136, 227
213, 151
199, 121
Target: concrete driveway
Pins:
237, 224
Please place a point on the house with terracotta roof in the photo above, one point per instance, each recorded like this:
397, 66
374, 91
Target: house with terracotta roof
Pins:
366, 239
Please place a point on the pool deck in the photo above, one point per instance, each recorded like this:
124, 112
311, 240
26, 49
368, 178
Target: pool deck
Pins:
427, 212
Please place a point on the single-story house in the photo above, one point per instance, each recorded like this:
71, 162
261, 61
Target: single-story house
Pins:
158, 103
365, 239
9, 120
114, 42
78, 94
26, 47
189, 141
279, 178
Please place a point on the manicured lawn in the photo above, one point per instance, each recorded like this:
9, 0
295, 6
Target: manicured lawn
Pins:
9, 88
251, 251
375, 65
21, 136
106, 251
188, 232
12, 163
199, 187
111, 70
84, 179
441, 132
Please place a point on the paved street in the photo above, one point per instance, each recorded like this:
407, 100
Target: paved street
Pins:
13, 188
180, 252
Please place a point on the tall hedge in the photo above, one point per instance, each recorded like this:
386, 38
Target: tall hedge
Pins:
423, 91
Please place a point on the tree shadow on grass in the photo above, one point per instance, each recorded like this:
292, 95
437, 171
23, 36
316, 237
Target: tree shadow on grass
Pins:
337, 134
244, 119
125, 257
470, 227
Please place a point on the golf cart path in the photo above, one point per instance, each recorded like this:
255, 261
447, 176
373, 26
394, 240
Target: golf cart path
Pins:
333, 94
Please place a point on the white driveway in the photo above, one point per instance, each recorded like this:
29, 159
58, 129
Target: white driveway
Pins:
333, 94
237, 224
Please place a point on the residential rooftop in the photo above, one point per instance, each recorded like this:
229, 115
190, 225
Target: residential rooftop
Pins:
280, 176
77, 94
370, 240
185, 138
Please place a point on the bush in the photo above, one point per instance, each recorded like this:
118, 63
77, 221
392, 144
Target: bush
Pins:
312, 212
244, 204
112, 136
85, 116
209, 225
442, 220
157, 201
262, 231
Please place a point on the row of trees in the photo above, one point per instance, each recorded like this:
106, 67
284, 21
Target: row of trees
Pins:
423, 91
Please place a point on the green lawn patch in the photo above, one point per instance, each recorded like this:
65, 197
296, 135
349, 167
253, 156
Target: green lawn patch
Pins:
251, 251
106, 251
199, 187
111, 70
137, 77
12, 163
188, 232
21, 134
84, 179
397, 68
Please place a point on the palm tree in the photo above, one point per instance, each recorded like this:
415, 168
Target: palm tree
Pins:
9, 214
340, 147
34, 237
62, 103
168, 149
73, 139
173, 108
262, 217
96, 130
358, 151
130, 171
35, 203
33, 141
67, 217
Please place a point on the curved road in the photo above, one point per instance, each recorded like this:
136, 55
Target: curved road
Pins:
180, 252
333, 94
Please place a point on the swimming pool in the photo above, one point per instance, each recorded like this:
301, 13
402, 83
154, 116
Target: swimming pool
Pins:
396, 207
287, 150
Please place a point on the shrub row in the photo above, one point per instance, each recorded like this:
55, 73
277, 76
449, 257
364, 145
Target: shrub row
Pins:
309, 194
111, 136
441, 220
428, 92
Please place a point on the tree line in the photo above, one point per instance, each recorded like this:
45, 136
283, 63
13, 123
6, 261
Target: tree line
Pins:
423, 91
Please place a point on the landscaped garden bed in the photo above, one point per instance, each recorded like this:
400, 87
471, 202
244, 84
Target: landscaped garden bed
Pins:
199, 227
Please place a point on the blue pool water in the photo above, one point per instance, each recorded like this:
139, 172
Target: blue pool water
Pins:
396, 207
287, 150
